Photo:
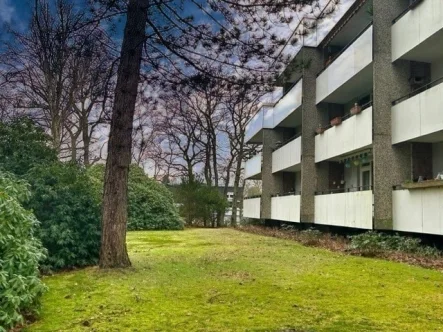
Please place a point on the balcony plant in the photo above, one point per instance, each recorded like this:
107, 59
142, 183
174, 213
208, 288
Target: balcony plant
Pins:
336, 121
320, 130
356, 109
423, 184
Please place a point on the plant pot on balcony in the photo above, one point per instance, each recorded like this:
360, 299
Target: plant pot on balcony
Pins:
356, 109
336, 121
320, 130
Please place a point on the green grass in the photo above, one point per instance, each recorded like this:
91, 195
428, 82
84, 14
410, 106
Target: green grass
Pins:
224, 280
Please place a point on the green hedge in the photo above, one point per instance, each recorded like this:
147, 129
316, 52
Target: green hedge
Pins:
199, 203
20, 253
61, 195
23, 145
69, 212
150, 204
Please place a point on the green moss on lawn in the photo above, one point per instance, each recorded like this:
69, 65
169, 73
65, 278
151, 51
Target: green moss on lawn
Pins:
223, 280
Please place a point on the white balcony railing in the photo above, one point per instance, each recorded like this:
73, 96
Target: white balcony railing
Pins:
262, 119
286, 208
352, 209
352, 61
352, 135
287, 157
253, 166
289, 103
251, 208
418, 210
415, 27
418, 116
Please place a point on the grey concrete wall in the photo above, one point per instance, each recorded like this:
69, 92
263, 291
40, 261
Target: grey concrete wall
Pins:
271, 183
311, 174
392, 164
298, 182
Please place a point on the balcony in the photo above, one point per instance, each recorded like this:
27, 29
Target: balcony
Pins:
418, 116
352, 135
417, 34
288, 157
253, 168
285, 114
263, 119
251, 208
350, 74
286, 208
349, 209
418, 210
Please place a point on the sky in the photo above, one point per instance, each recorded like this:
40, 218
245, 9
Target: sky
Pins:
15, 11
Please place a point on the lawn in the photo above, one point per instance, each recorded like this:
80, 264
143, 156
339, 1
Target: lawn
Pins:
226, 280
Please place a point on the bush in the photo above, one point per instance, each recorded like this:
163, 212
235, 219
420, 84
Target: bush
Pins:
61, 195
199, 203
23, 146
372, 243
20, 253
66, 205
150, 204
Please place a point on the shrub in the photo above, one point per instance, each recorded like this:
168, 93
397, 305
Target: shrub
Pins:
65, 203
20, 253
150, 204
372, 243
311, 236
23, 146
61, 195
199, 203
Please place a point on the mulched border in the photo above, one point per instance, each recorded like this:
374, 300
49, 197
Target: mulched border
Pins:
341, 244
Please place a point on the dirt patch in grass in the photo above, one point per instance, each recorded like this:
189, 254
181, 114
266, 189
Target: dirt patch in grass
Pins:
336, 243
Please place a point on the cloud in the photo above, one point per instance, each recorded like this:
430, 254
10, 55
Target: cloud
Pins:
6, 11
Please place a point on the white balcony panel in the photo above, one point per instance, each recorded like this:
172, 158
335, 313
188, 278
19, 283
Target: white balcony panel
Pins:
418, 210
418, 116
416, 27
286, 208
263, 119
353, 60
352, 135
253, 166
352, 209
288, 103
288, 157
251, 208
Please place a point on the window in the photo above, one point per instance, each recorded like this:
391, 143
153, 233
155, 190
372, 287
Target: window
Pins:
366, 177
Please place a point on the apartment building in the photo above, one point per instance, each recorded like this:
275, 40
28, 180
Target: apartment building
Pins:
357, 138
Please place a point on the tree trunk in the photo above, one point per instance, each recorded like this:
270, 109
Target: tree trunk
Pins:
235, 194
73, 147
56, 134
86, 139
236, 185
222, 214
113, 251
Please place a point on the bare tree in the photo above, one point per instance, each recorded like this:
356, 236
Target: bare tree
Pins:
92, 71
58, 72
241, 105
173, 40
181, 135
37, 64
